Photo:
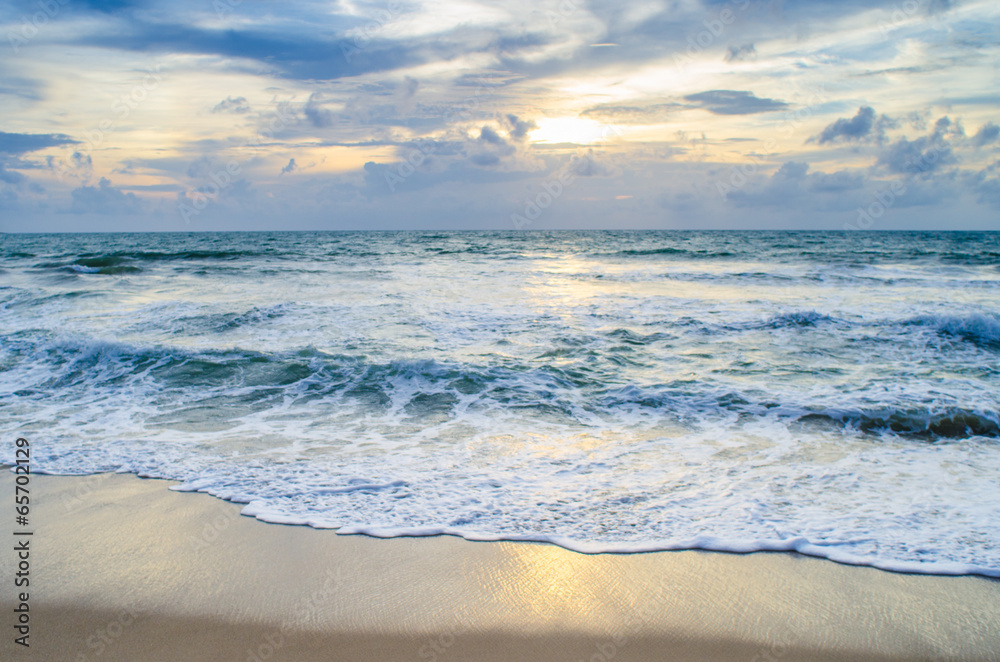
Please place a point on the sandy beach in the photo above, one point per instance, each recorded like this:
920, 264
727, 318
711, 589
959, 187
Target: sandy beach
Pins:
124, 569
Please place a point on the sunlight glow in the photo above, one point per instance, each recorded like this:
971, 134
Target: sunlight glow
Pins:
571, 130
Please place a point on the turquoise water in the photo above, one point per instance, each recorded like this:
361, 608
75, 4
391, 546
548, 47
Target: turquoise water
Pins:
834, 393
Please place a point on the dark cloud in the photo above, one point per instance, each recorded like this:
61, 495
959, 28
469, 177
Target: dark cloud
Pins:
104, 199
317, 115
519, 128
987, 187
987, 134
99, 6
981, 100
28, 89
587, 165
486, 79
857, 128
794, 186
200, 168
19, 143
836, 182
153, 188
290, 167
922, 156
645, 114
734, 102
306, 54
410, 86
741, 53
945, 127
490, 148
792, 170
865, 126
10, 176
237, 105
485, 159
486, 134
108, 6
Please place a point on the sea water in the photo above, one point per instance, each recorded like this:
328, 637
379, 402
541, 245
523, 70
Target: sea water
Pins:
830, 393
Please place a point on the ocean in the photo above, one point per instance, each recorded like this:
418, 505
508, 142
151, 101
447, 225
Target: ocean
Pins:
834, 394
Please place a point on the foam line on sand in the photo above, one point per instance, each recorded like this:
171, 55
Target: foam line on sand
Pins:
124, 569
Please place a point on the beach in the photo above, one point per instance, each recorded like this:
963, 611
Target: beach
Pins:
123, 568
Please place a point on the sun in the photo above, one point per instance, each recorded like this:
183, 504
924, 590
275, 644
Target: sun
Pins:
571, 130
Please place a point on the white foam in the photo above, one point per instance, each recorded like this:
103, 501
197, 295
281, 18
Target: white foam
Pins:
599, 403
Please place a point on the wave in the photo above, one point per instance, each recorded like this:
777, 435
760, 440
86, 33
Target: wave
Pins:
119, 263
949, 423
574, 393
223, 322
979, 329
797, 319
668, 250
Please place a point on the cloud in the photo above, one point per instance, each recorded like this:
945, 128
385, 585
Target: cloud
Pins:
865, 126
318, 116
104, 199
856, 128
587, 165
486, 134
489, 148
926, 154
410, 87
485, 159
987, 134
290, 167
237, 105
794, 186
299, 51
836, 182
518, 128
28, 89
109, 6
741, 53
19, 143
792, 170
10, 176
200, 168
734, 102
654, 113
987, 187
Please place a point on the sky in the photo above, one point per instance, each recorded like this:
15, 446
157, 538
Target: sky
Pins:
205, 115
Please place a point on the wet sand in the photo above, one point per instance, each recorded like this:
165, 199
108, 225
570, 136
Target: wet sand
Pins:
124, 569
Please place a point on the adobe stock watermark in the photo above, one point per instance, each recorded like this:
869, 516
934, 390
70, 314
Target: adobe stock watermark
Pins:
554, 187
886, 197
103, 639
363, 36
552, 190
31, 25
82, 491
739, 175
403, 170
698, 42
223, 178
225, 7
121, 108
461, 111
213, 528
565, 9
438, 645
270, 644
904, 12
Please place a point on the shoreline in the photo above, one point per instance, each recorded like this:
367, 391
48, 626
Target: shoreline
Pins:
794, 546
125, 569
